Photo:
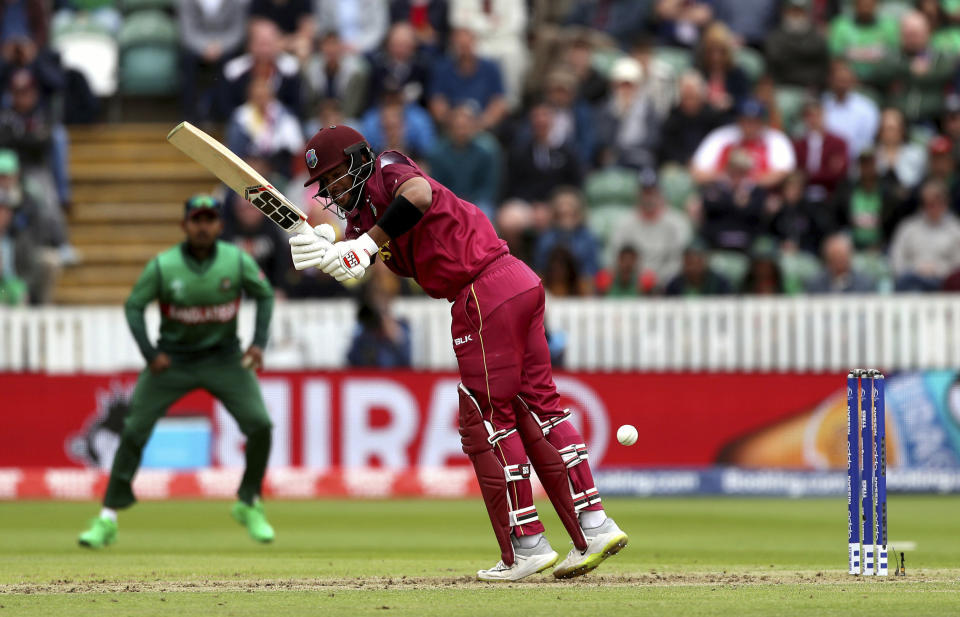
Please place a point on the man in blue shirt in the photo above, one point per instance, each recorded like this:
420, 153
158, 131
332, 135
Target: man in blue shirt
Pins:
570, 231
465, 77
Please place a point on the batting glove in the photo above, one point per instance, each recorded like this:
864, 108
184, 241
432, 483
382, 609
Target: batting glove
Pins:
308, 249
349, 259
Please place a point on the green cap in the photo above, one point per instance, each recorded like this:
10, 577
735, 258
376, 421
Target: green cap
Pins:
9, 162
201, 203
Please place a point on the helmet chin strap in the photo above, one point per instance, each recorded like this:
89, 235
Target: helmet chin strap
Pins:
359, 171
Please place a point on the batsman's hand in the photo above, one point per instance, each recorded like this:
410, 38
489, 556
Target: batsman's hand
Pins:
253, 359
160, 363
349, 259
308, 249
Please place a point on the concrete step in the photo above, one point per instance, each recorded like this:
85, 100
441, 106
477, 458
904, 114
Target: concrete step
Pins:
165, 212
124, 254
184, 170
140, 192
91, 294
125, 234
120, 132
86, 275
110, 152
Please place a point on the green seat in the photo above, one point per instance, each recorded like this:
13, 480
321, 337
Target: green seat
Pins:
603, 59
677, 185
132, 6
921, 135
893, 9
604, 219
751, 62
798, 269
79, 25
876, 266
790, 100
613, 186
677, 58
730, 265
149, 55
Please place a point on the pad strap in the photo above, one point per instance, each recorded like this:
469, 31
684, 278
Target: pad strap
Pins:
523, 516
574, 454
552, 422
515, 473
588, 497
496, 436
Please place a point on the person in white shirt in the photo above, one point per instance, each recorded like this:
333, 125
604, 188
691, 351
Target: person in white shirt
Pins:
926, 246
849, 114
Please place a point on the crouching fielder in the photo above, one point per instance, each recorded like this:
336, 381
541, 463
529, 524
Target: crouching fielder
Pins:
510, 416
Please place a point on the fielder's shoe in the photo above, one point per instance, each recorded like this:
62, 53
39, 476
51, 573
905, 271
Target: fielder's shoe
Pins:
603, 541
102, 532
527, 561
253, 518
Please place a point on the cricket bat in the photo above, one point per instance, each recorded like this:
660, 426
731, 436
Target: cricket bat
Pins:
239, 176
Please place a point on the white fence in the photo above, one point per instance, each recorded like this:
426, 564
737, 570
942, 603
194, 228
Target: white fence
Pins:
805, 334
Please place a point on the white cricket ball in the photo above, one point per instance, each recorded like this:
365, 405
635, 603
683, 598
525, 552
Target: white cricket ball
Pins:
627, 434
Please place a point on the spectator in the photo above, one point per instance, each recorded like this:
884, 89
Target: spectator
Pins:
797, 222
733, 205
263, 127
245, 226
293, 18
921, 73
659, 80
18, 50
13, 254
468, 162
265, 59
820, 153
689, 122
621, 19
749, 26
945, 36
950, 123
868, 42
428, 18
210, 34
573, 121
765, 92
926, 246
535, 165
467, 77
679, 22
943, 166
864, 203
625, 280
796, 51
902, 161
696, 278
770, 151
569, 230
562, 278
398, 67
28, 127
26, 20
380, 340
102, 13
657, 232
764, 276
336, 73
411, 126
578, 61
727, 85
515, 224
501, 30
847, 113
838, 275
627, 123
362, 24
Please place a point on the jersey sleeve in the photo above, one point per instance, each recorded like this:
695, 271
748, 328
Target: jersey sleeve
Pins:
394, 171
145, 290
256, 285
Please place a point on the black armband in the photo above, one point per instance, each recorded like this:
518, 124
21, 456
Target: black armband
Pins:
400, 217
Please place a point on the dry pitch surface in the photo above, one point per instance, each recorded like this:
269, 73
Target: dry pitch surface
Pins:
686, 557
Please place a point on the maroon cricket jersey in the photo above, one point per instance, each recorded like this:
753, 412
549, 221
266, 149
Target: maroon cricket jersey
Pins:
448, 248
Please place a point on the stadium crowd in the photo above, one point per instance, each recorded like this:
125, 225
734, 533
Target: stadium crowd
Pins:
621, 147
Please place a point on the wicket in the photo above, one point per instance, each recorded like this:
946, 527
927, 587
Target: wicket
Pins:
866, 473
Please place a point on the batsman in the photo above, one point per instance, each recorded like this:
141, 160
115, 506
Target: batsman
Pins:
199, 285
509, 415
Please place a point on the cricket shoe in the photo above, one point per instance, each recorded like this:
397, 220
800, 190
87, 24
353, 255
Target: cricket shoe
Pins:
526, 561
602, 541
254, 519
102, 531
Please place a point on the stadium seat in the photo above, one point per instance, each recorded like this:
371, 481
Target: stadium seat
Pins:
613, 186
790, 100
149, 54
603, 220
91, 51
603, 59
893, 9
677, 58
798, 270
751, 61
921, 135
730, 265
677, 185
133, 6
876, 266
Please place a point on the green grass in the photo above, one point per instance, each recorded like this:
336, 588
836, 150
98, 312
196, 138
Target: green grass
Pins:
740, 557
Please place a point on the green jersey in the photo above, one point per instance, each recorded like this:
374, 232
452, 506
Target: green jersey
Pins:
199, 301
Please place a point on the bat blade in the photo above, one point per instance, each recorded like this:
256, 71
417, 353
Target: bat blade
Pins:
239, 176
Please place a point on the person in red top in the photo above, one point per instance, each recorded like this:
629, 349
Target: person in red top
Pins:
509, 407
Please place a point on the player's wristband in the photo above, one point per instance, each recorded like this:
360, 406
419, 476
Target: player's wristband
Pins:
400, 217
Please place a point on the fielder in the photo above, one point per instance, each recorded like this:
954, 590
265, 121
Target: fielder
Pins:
509, 407
199, 285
